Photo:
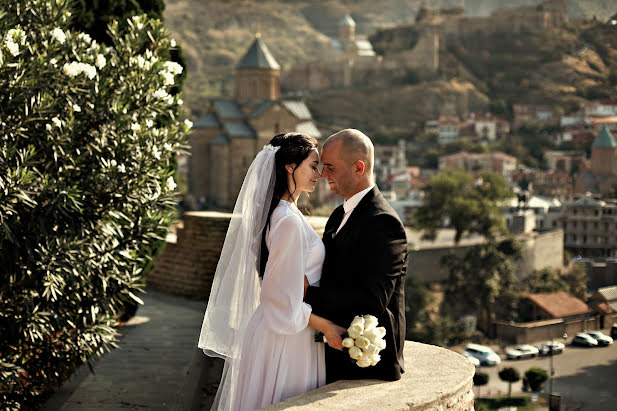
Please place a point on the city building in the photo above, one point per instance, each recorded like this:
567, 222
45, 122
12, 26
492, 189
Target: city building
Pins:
448, 129
389, 160
226, 139
553, 305
564, 161
497, 162
528, 113
545, 183
590, 227
546, 212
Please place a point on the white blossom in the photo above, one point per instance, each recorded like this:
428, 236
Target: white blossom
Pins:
101, 61
12, 47
122, 168
173, 67
370, 321
75, 68
348, 342
53, 62
156, 152
56, 122
168, 78
168, 147
85, 37
48, 127
76, 108
172, 43
180, 101
162, 94
140, 26
135, 127
188, 123
13, 39
113, 162
170, 184
149, 123
58, 35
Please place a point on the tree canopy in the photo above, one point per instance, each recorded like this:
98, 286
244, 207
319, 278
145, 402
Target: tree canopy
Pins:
88, 143
468, 203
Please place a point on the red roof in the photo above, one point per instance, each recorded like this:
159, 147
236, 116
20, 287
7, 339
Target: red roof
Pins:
604, 308
559, 304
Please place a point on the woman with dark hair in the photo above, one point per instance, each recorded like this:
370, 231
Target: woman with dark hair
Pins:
256, 317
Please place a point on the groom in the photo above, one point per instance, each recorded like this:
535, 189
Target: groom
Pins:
366, 258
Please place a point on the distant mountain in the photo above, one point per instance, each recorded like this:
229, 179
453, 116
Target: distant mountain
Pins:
215, 34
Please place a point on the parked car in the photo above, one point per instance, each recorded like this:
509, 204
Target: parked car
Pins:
585, 340
602, 338
545, 349
471, 359
484, 354
614, 331
522, 351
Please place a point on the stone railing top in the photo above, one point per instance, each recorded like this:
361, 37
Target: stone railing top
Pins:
435, 379
208, 214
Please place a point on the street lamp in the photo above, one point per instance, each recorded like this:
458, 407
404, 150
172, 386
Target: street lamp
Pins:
552, 373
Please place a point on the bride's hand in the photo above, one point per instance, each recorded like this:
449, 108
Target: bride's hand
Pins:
333, 335
306, 285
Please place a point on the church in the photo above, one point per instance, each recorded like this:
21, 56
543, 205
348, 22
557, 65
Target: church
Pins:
227, 138
599, 174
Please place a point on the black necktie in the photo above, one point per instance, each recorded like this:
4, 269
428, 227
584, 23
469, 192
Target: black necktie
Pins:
335, 221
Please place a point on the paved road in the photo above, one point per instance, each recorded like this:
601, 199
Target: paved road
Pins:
157, 367
585, 377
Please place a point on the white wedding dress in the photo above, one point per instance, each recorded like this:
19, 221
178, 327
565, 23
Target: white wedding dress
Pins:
280, 358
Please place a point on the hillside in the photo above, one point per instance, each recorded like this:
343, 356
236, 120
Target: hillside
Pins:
564, 65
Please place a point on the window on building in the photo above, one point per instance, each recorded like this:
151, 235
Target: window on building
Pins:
574, 237
595, 224
584, 225
554, 223
595, 212
584, 239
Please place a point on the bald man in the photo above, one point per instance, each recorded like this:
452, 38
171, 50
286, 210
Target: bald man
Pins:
366, 258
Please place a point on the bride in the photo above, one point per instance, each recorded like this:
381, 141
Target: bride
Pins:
256, 318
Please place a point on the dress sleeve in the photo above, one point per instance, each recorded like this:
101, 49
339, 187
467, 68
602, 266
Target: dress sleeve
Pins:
282, 289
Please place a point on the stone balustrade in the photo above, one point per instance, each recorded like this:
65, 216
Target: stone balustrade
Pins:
435, 379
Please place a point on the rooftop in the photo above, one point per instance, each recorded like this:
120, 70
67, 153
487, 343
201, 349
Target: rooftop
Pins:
559, 304
604, 138
258, 56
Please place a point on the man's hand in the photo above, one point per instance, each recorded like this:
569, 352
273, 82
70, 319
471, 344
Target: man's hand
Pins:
306, 285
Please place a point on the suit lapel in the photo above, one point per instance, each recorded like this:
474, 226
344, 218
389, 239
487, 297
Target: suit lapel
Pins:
358, 212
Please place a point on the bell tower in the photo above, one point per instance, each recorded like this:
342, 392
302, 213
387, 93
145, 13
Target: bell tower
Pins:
257, 76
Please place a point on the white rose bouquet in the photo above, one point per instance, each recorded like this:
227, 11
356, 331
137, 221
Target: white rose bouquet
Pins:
364, 340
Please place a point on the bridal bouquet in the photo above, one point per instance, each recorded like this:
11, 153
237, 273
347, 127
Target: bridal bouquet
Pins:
364, 340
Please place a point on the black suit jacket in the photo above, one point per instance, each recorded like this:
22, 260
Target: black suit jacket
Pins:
364, 273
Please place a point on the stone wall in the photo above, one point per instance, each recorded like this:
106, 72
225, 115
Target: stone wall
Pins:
538, 331
186, 267
539, 250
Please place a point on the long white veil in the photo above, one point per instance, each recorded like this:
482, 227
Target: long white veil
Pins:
234, 296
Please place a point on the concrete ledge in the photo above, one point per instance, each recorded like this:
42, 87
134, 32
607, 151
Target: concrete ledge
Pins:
435, 379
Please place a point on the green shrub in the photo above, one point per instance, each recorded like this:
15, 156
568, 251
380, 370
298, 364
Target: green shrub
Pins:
536, 377
519, 401
88, 142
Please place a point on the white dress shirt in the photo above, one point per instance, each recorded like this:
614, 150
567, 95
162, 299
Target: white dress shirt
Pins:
350, 205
